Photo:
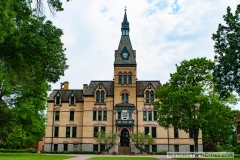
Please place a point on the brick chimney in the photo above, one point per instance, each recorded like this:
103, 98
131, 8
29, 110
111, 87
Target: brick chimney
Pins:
64, 85
85, 87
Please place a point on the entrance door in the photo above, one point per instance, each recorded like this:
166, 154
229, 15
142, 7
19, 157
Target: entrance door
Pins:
124, 140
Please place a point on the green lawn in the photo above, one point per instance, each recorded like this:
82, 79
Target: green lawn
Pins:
208, 158
23, 156
122, 158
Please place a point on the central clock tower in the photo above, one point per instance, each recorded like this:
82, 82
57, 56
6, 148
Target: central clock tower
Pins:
125, 68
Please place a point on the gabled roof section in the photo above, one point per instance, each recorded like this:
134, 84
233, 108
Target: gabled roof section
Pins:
107, 85
72, 94
65, 95
141, 86
57, 94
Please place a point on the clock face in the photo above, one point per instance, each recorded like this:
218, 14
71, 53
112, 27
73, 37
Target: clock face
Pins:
125, 55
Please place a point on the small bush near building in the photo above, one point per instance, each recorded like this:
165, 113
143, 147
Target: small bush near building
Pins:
160, 153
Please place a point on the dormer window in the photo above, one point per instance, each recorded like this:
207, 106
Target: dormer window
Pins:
57, 99
152, 96
102, 96
147, 96
72, 98
97, 96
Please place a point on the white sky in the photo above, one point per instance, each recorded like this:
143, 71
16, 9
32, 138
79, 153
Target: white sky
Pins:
163, 33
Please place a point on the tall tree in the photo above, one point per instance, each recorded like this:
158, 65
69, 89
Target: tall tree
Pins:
182, 101
31, 55
227, 53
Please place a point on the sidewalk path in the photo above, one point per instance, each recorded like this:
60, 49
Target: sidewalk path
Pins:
86, 156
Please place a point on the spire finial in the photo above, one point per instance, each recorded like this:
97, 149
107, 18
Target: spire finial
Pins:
125, 8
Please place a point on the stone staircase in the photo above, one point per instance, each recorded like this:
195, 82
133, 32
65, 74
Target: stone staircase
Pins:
124, 150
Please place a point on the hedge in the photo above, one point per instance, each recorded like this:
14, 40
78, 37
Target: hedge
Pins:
69, 152
28, 150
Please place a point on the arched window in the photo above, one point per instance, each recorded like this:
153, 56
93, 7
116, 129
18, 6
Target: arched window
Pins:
125, 79
122, 97
129, 79
102, 96
97, 96
152, 96
147, 96
120, 78
126, 98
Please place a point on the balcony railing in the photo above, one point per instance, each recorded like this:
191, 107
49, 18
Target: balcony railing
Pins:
120, 122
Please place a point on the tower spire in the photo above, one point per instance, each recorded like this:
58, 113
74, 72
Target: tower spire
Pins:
125, 24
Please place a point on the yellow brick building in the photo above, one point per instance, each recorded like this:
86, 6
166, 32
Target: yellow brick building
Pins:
123, 106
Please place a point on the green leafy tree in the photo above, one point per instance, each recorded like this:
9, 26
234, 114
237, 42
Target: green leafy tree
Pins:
227, 53
141, 139
31, 56
182, 102
107, 138
17, 139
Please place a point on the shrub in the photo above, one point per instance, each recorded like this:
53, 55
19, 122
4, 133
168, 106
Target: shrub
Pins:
32, 150
160, 153
69, 152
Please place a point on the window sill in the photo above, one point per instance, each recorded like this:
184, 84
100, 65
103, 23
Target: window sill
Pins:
99, 103
148, 103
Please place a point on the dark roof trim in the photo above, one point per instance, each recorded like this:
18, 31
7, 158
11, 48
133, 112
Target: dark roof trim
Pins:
125, 65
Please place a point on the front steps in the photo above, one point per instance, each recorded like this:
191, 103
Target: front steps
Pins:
124, 150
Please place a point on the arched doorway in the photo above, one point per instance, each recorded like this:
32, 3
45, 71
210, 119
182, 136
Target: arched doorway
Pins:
124, 140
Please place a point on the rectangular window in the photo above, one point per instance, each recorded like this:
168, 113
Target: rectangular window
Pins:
191, 135
102, 147
129, 79
175, 132
71, 115
130, 115
147, 148
95, 131
103, 129
122, 98
126, 98
120, 79
97, 96
99, 115
67, 131
56, 131
55, 147
95, 147
152, 96
176, 148
104, 115
94, 115
65, 147
72, 100
57, 116
124, 115
74, 132
154, 148
102, 96
150, 115
155, 115
146, 130
119, 115
154, 132
144, 115
191, 148
125, 79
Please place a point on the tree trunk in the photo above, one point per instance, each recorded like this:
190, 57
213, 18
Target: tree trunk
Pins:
196, 131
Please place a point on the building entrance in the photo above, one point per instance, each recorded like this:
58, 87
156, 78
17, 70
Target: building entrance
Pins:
124, 139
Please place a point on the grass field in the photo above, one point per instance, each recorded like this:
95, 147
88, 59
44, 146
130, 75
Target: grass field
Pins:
23, 156
122, 158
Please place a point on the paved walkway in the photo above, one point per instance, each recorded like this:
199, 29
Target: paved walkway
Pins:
87, 156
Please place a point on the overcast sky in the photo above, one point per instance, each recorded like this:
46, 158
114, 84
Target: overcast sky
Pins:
163, 33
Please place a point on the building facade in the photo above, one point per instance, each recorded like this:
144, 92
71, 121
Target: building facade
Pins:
122, 105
